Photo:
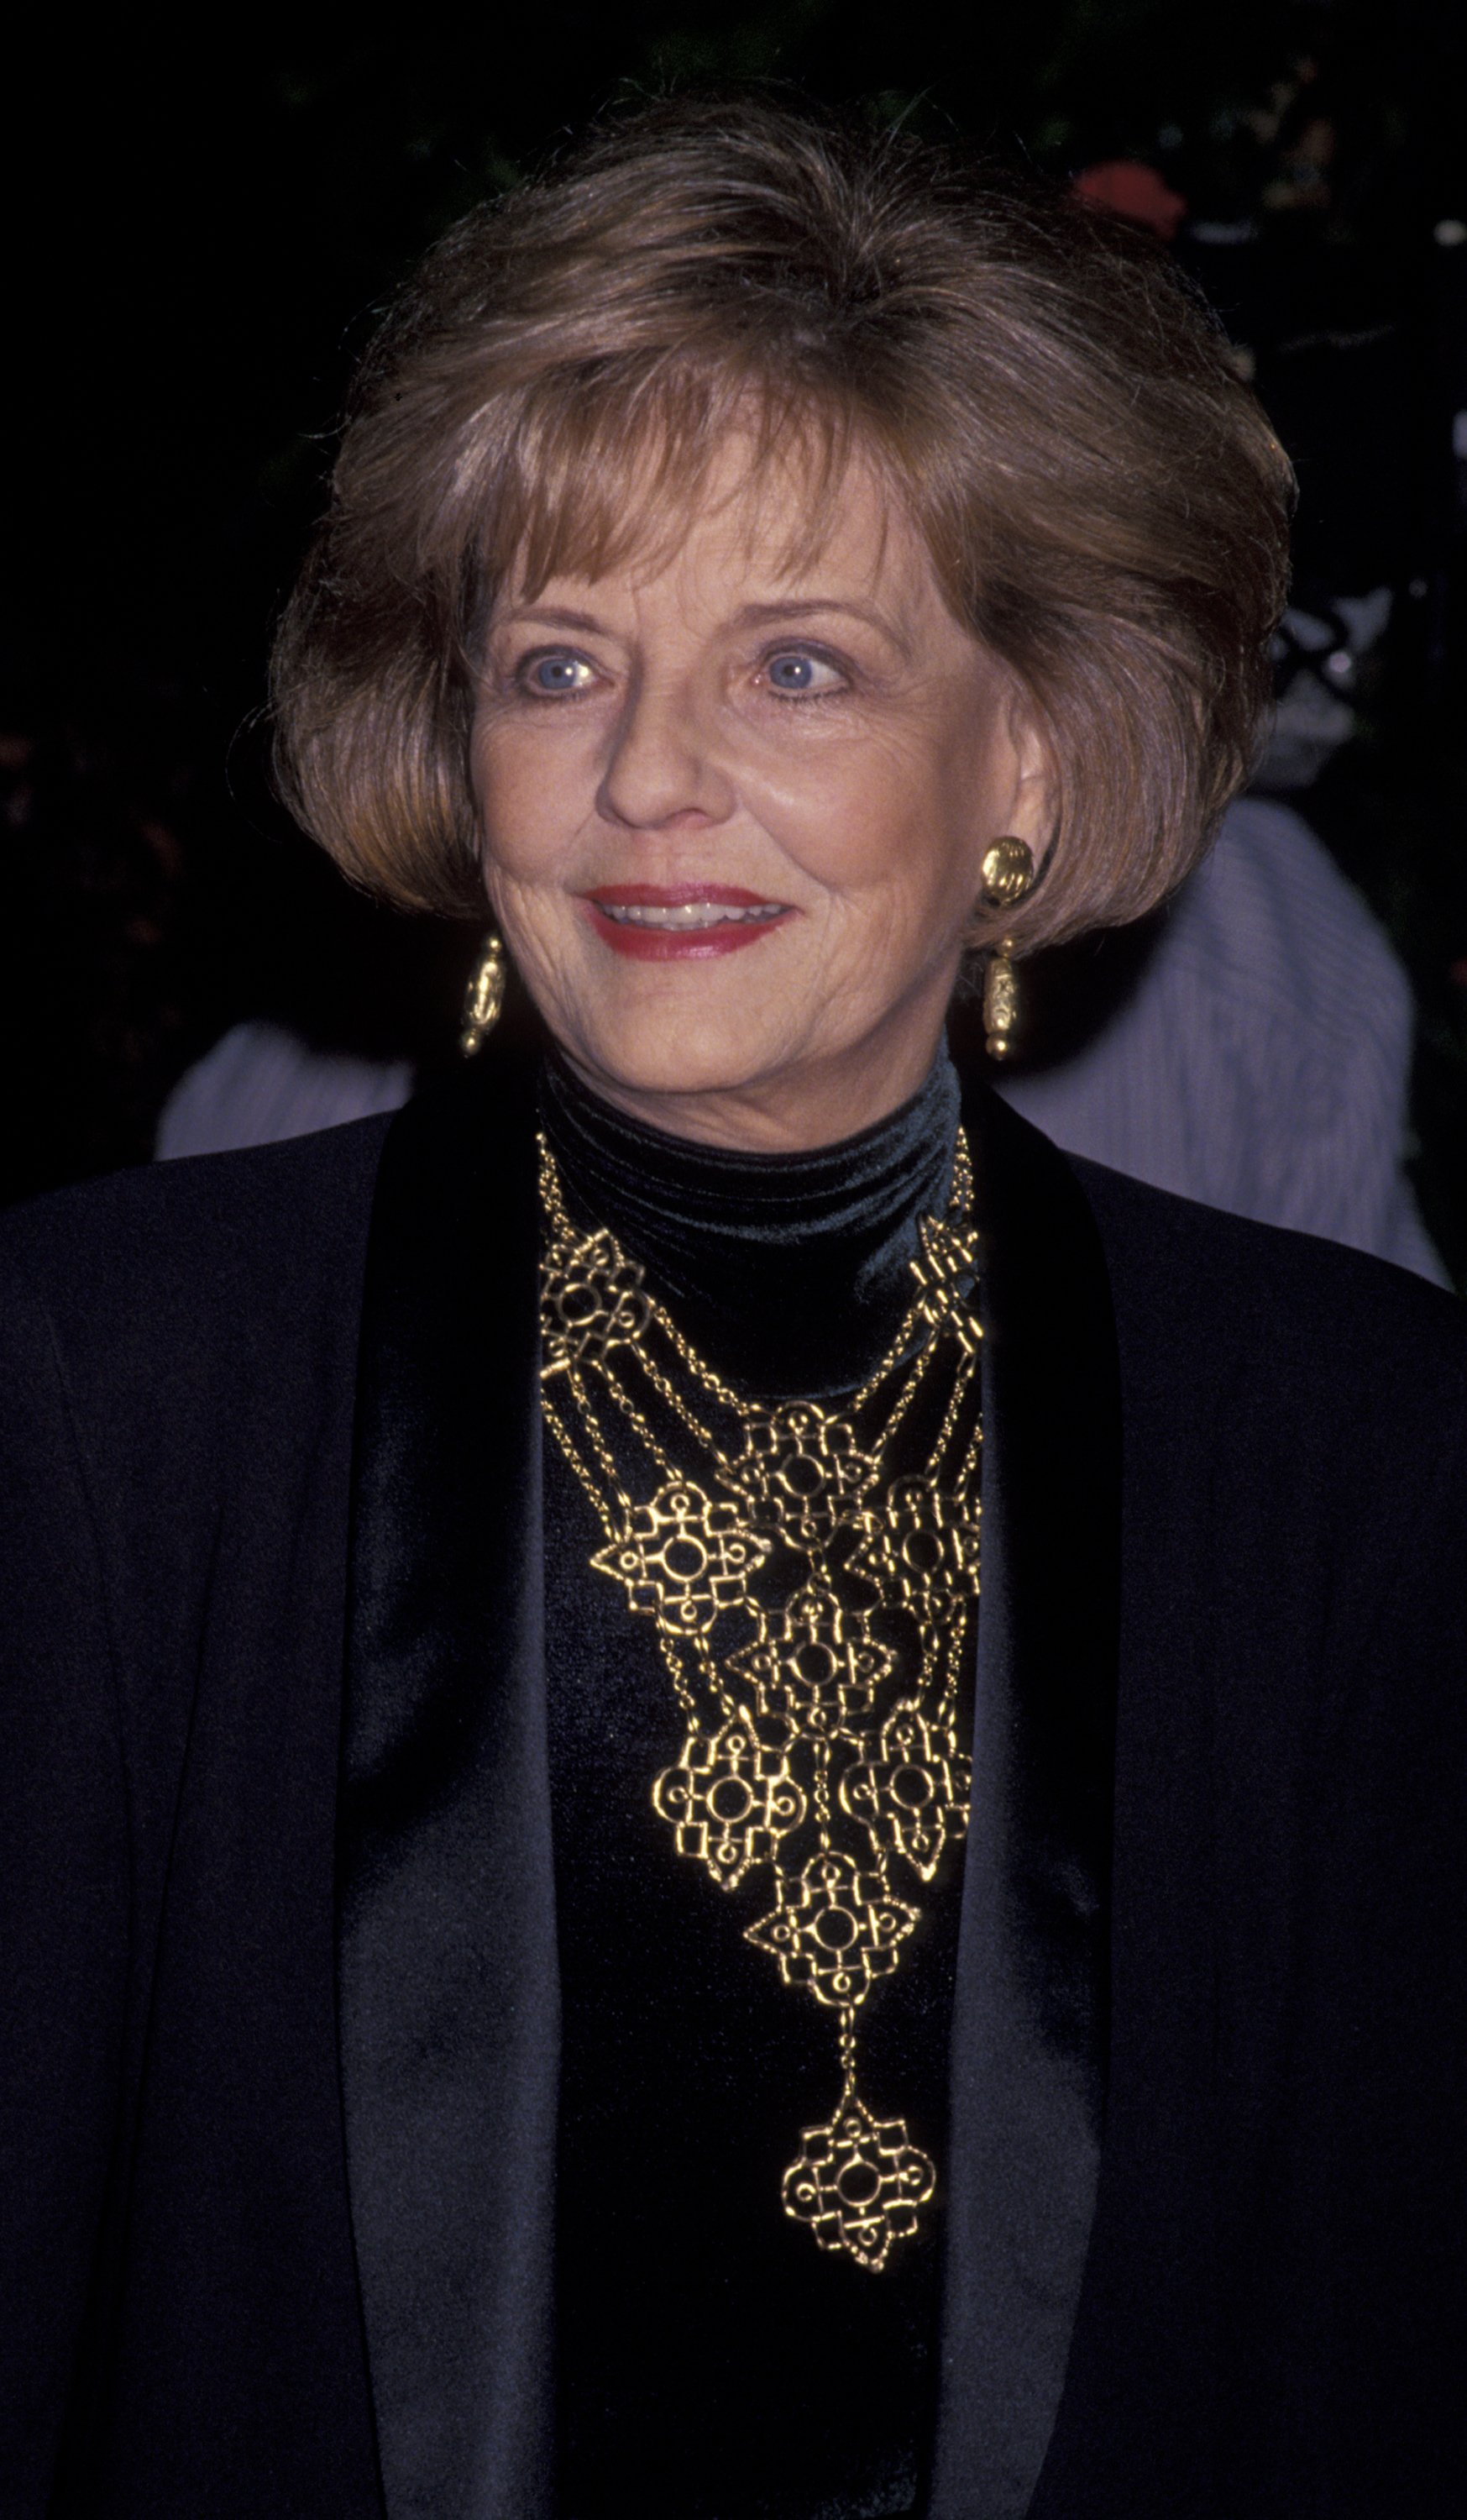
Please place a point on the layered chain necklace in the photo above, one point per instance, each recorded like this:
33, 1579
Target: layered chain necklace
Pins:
810, 1574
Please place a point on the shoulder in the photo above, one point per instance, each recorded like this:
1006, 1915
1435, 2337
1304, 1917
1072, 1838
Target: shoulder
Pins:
176, 1259
1294, 1481
1300, 1341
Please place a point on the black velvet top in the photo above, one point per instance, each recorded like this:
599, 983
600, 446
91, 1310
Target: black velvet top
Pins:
712, 2362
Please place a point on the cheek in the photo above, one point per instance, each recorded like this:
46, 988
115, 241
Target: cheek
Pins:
880, 822
528, 797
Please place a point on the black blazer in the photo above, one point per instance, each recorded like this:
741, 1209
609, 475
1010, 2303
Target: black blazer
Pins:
276, 2080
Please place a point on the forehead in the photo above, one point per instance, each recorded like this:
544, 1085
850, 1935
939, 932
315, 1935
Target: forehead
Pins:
769, 507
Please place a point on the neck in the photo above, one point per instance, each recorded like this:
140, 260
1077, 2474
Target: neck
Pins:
819, 1102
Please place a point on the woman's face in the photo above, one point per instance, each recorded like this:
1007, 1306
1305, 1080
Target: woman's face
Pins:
733, 813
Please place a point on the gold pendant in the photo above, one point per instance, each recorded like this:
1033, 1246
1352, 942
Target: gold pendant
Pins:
859, 2183
592, 1300
802, 1473
914, 1793
729, 1801
818, 1667
921, 1548
682, 1558
833, 1929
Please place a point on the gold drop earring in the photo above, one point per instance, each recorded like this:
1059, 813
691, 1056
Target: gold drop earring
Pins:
1007, 874
485, 998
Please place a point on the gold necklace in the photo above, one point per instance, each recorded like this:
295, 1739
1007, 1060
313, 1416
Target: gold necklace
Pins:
811, 1573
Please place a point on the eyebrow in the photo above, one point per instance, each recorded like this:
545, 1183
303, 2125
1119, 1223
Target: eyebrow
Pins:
552, 615
798, 606
790, 609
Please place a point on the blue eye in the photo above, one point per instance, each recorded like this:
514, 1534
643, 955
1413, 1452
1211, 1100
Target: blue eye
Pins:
552, 676
795, 674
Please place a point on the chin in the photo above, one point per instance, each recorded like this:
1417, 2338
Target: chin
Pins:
643, 1057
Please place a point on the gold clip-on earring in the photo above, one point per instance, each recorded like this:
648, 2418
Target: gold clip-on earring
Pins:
485, 998
1007, 874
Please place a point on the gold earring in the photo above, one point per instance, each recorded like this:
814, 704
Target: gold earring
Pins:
485, 998
1000, 1001
1007, 874
1007, 871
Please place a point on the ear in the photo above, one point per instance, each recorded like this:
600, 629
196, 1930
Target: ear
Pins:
1034, 811
1027, 807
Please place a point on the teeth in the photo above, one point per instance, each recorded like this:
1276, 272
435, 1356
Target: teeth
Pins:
687, 914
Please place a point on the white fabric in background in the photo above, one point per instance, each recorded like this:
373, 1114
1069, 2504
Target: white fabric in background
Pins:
1263, 1063
262, 1082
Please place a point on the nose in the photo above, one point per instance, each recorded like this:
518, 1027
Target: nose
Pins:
661, 771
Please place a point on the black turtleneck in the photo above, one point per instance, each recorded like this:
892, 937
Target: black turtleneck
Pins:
713, 2363
788, 1272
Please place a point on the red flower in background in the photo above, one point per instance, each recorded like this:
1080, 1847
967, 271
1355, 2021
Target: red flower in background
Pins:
1134, 190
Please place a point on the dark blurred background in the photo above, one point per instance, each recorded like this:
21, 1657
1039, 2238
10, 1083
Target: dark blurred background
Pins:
208, 223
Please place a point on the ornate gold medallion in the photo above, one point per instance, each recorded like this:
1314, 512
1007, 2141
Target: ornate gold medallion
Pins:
858, 2183
810, 1574
729, 1801
834, 1929
819, 1667
682, 1558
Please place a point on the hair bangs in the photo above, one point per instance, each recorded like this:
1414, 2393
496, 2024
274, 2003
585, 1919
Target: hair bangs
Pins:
607, 467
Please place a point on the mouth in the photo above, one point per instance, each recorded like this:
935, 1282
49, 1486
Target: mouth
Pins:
686, 922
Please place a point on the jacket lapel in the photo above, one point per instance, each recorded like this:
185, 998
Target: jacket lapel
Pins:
449, 2010
1030, 2027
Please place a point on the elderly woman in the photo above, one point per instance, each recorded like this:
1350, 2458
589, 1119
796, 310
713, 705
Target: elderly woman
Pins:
578, 1946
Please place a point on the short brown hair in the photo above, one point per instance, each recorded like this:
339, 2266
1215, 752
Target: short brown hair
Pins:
1105, 505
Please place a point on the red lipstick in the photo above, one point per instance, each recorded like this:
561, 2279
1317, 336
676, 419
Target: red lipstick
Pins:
682, 922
